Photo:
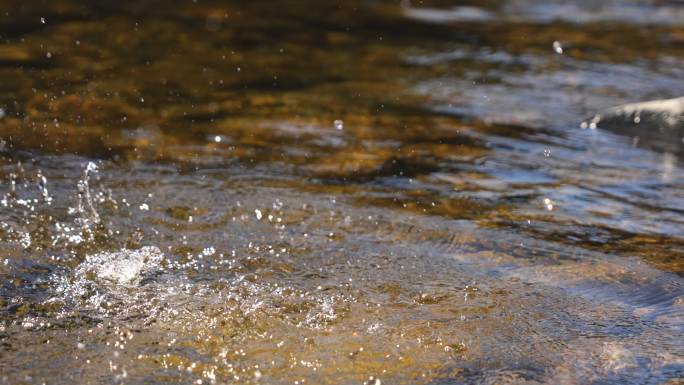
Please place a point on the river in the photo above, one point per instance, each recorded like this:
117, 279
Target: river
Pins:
357, 192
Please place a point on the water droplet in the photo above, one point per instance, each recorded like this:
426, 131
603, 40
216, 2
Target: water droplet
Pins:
48, 55
339, 124
258, 214
217, 138
42, 20
557, 47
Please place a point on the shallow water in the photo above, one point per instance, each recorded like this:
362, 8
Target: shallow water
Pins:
307, 192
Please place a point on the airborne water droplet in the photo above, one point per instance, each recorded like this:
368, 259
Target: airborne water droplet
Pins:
339, 124
557, 47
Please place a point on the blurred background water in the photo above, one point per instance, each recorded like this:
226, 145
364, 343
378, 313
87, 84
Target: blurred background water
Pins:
292, 192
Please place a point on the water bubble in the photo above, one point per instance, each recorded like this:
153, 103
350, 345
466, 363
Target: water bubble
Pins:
548, 203
258, 214
42, 20
217, 138
339, 124
557, 47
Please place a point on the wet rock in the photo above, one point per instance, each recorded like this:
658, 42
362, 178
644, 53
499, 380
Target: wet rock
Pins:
658, 123
655, 114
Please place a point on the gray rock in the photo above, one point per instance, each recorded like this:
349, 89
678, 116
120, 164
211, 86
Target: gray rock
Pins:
658, 124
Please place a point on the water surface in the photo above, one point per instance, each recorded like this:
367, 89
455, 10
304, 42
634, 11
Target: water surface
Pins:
373, 192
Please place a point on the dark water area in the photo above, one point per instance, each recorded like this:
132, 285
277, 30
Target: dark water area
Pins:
358, 192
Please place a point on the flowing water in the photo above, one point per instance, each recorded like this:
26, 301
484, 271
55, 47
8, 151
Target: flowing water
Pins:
357, 192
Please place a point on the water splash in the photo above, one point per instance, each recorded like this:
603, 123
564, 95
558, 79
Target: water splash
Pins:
42, 186
124, 267
86, 207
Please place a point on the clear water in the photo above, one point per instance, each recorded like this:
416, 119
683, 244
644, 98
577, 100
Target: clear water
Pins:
370, 192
